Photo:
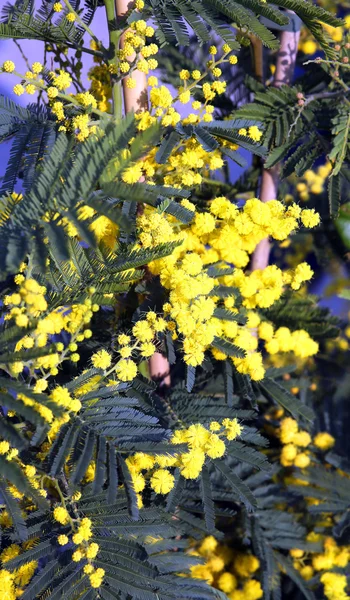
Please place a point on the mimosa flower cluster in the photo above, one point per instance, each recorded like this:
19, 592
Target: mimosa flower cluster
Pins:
310, 564
138, 344
28, 304
222, 236
296, 443
228, 570
31, 472
80, 533
202, 442
313, 182
13, 582
136, 54
55, 85
300, 449
188, 162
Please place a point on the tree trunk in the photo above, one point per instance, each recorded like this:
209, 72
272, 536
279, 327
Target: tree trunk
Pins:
285, 64
136, 99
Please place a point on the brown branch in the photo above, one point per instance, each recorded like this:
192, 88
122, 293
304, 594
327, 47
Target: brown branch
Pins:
136, 99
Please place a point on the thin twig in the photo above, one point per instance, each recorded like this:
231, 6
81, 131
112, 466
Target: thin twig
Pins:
313, 98
84, 49
22, 54
336, 63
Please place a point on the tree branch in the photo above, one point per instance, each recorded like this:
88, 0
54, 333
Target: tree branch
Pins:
285, 64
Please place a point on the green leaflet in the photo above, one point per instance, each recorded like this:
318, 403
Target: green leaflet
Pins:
286, 399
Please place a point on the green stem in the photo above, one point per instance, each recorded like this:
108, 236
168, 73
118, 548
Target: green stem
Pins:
81, 22
86, 50
114, 42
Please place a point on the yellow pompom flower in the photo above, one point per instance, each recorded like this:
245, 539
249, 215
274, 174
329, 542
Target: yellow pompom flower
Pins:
324, 441
88, 569
132, 174
208, 545
302, 439
162, 481
124, 67
126, 369
18, 89
77, 556
184, 74
254, 133
22, 320
288, 454
57, 7
288, 429
37, 67
101, 359
152, 63
62, 81
8, 66
138, 481
30, 471
296, 553
143, 331
215, 447
125, 352
77, 538
214, 426
161, 97
63, 540
227, 582
61, 515
310, 218
197, 435
92, 550
192, 463
252, 590
302, 460
7, 585
123, 339
232, 428
334, 586
96, 578
147, 349
4, 447
9, 553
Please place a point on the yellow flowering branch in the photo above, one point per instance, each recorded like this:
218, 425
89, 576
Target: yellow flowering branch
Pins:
69, 98
197, 81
